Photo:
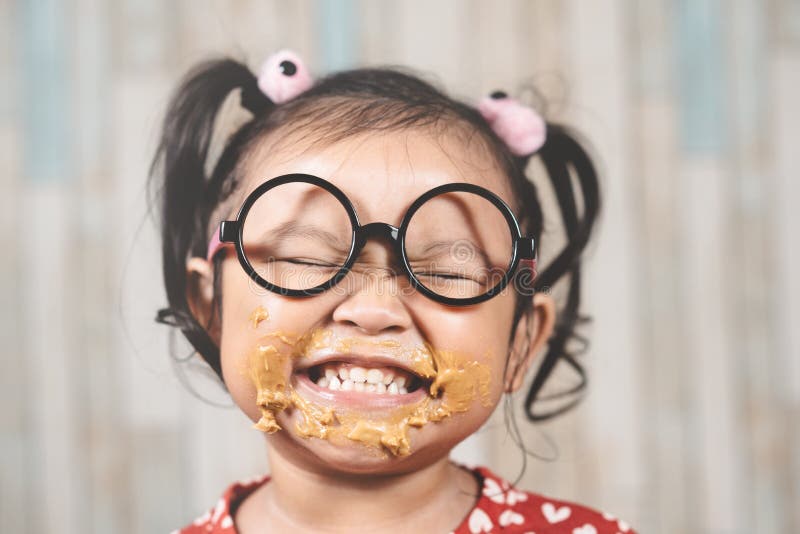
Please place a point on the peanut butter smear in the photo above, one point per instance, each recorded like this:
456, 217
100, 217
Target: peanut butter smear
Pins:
258, 315
456, 381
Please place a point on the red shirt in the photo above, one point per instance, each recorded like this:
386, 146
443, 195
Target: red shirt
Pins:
500, 508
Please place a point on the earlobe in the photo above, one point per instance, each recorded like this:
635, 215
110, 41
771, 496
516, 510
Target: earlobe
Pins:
200, 289
531, 334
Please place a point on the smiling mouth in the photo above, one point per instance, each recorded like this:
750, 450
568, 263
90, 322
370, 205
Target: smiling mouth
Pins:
372, 398
379, 379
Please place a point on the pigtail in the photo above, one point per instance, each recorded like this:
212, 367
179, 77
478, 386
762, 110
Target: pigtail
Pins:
566, 163
178, 177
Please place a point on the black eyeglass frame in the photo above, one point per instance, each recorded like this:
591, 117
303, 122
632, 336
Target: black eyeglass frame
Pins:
523, 247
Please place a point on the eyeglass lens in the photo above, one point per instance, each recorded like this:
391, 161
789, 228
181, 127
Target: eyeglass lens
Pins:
458, 244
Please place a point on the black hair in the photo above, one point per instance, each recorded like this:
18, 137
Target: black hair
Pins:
190, 190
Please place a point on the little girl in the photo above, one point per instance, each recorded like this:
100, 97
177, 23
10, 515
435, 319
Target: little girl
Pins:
359, 268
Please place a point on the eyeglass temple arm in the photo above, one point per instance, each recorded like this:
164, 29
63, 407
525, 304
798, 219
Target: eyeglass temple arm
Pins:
228, 230
526, 246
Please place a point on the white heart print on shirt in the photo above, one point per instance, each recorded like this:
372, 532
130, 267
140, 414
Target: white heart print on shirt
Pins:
510, 517
554, 515
499, 495
493, 491
514, 496
479, 522
585, 529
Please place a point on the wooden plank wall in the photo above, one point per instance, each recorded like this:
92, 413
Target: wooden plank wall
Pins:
691, 420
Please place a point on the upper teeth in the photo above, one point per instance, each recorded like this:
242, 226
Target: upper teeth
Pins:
354, 378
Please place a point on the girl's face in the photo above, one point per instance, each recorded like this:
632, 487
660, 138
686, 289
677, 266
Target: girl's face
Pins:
435, 372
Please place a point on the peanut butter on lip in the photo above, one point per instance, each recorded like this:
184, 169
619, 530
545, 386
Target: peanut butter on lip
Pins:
456, 381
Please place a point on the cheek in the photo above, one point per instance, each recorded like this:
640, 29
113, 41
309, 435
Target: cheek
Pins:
248, 312
481, 332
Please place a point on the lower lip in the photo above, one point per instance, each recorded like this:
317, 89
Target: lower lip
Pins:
354, 399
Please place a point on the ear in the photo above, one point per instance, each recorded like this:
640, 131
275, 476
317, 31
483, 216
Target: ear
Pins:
530, 335
200, 294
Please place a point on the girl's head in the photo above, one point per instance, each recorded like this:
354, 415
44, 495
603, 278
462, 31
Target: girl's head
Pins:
382, 138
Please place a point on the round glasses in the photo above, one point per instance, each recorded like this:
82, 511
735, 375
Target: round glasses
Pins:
299, 235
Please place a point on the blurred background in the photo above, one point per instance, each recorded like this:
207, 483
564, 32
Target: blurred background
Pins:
692, 418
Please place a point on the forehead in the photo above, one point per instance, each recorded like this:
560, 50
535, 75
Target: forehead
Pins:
382, 172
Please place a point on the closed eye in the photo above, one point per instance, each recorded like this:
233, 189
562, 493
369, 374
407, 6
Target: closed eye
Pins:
443, 275
307, 261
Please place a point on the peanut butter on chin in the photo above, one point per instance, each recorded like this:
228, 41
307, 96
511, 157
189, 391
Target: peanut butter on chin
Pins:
456, 382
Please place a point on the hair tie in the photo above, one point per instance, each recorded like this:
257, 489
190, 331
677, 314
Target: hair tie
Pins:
283, 76
519, 126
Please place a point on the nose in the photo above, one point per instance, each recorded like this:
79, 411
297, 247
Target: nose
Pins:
376, 306
373, 303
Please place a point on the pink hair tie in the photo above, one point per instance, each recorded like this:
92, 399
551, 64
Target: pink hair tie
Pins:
283, 76
214, 246
519, 126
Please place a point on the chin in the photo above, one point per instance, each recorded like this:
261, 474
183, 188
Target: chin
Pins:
343, 456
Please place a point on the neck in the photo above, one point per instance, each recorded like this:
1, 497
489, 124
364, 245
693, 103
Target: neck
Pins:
438, 496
